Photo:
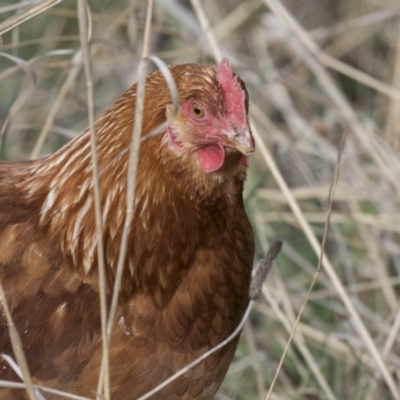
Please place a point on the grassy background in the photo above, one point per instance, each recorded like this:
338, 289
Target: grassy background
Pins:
304, 104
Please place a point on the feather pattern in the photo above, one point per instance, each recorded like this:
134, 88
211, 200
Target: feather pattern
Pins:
188, 268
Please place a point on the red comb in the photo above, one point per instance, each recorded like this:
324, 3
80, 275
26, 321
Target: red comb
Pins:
233, 94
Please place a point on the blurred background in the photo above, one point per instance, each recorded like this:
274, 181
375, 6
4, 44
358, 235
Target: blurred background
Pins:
324, 83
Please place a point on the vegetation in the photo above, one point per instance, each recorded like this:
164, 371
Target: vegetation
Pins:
324, 84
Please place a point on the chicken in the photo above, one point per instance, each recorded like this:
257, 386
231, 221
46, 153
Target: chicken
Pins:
190, 253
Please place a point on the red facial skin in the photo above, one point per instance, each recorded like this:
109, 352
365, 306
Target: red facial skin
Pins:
212, 133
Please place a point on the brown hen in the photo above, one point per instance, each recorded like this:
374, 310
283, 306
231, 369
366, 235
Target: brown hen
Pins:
188, 267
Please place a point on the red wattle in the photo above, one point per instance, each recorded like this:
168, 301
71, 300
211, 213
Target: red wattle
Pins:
211, 157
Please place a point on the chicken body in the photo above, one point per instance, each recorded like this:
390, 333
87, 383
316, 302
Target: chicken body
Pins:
188, 267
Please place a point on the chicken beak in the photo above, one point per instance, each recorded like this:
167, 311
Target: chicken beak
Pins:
240, 139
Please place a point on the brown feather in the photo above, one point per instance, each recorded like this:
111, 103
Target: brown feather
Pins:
187, 272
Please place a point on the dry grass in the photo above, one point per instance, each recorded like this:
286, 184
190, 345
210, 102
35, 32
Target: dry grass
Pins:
316, 70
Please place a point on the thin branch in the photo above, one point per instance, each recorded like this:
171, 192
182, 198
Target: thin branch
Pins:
131, 176
325, 59
31, 12
57, 104
132, 167
286, 321
83, 30
16, 345
18, 385
319, 267
206, 26
58, 101
22, 98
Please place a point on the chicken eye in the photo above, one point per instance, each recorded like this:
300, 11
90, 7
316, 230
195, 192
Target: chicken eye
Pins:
197, 111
